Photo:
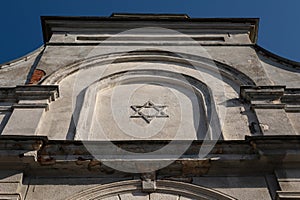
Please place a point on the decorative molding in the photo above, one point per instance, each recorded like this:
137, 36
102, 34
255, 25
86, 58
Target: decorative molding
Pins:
61, 156
272, 97
10, 196
116, 24
277, 58
288, 195
32, 94
185, 61
162, 186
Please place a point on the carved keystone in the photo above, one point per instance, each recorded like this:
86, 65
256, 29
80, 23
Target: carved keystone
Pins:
148, 185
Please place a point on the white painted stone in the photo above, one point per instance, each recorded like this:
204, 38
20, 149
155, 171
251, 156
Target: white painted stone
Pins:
247, 188
112, 198
161, 196
24, 122
276, 120
135, 196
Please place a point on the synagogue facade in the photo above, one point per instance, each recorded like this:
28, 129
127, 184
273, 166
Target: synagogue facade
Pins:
150, 106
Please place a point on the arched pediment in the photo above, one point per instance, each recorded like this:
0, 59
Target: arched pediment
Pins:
165, 75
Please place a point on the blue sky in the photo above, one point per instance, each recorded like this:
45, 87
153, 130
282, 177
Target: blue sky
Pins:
279, 30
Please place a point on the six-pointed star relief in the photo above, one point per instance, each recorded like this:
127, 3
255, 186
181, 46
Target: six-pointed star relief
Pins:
148, 111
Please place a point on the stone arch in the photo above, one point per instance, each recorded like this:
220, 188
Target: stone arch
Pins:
186, 190
182, 59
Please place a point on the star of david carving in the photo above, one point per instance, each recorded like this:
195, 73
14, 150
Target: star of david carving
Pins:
149, 111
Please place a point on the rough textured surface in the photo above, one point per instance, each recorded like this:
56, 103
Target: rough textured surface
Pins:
47, 188
239, 187
280, 74
274, 122
23, 122
294, 119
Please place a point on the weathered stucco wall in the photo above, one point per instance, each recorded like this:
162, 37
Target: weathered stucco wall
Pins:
137, 83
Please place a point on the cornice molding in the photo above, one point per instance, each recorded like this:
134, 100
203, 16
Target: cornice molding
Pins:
180, 21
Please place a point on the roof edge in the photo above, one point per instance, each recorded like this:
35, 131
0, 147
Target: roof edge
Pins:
280, 59
144, 15
24, 57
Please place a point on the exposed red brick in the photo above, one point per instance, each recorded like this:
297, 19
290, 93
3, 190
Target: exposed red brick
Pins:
37, 75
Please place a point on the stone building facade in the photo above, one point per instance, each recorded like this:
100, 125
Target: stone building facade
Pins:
138, 106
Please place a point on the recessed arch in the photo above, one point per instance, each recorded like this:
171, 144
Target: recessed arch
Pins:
87, 102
